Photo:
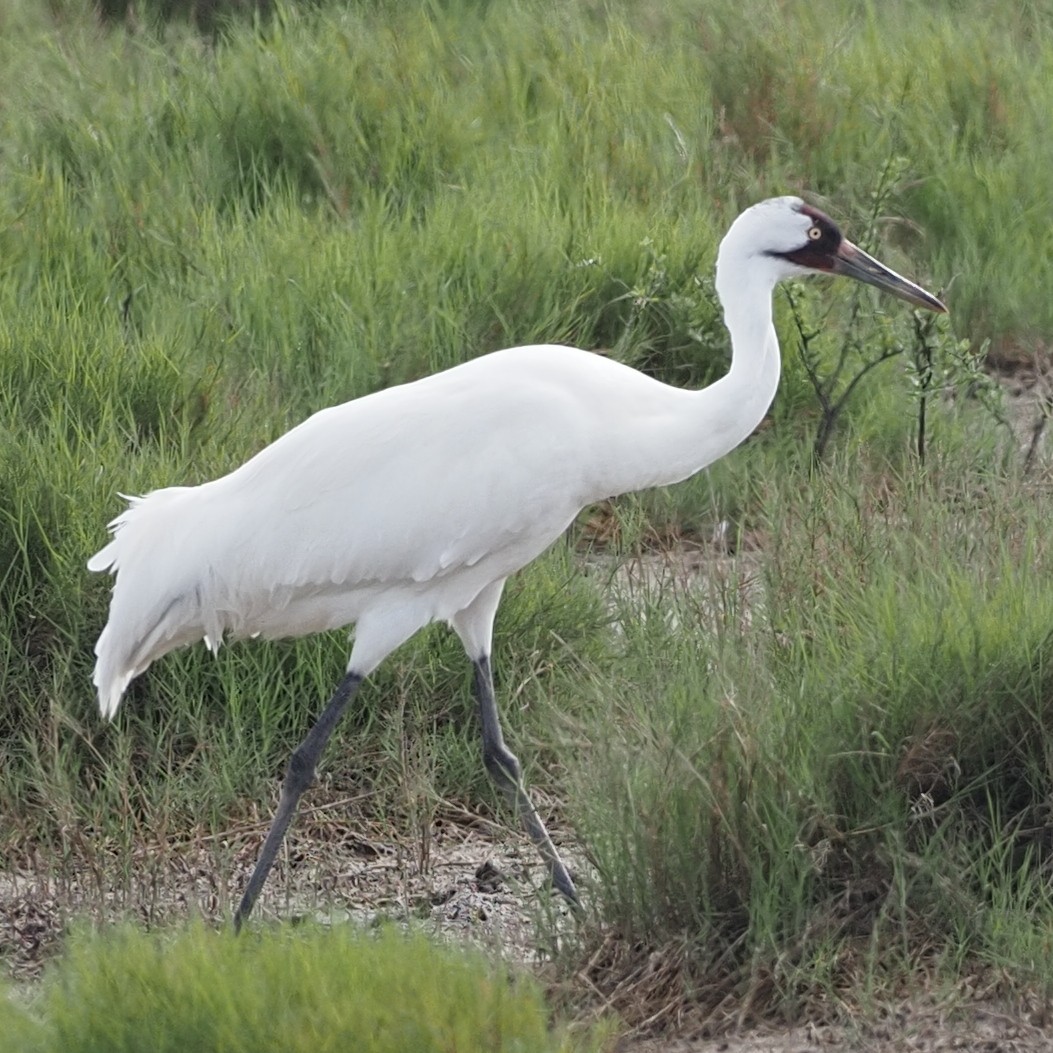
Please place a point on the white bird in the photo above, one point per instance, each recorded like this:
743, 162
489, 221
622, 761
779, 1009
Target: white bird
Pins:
414, 504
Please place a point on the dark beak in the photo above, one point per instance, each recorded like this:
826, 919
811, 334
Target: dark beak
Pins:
853, 262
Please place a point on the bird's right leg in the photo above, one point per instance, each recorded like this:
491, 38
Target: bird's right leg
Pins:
298, 776
504, 769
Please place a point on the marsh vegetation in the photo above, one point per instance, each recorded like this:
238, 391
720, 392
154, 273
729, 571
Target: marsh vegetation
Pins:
812, 770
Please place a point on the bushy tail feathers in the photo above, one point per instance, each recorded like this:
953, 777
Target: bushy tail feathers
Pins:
156, 604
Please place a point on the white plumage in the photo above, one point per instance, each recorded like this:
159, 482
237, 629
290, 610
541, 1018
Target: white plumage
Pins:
410, 499
415, 503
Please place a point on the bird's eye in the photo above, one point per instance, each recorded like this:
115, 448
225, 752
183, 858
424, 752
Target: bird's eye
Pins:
814, 233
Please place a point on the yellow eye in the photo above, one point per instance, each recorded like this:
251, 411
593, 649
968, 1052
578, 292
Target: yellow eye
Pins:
814, 233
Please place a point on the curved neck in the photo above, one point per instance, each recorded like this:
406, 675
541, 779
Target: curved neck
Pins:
739, 400
727, 412
675, 433
732, 407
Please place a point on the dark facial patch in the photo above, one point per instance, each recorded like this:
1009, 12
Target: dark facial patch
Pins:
823, 240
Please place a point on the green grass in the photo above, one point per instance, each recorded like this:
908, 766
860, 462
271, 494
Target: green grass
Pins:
834, 759
309, 990
205, 238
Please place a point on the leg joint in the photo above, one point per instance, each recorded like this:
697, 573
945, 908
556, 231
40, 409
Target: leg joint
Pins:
503, 765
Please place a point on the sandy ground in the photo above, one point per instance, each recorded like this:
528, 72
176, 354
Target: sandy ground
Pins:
926, 1029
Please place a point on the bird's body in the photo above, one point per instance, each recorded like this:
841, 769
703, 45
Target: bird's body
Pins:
398, 507
416, 503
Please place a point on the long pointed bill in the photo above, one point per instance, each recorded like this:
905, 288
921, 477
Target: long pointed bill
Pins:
853, 262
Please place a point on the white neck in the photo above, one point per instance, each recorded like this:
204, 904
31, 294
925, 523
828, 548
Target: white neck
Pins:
677, 433
736, 404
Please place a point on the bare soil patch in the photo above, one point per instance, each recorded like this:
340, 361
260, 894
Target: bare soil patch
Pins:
469, 882
909, 1027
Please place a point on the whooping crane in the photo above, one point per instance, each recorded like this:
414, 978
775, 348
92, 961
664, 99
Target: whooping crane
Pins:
414, 504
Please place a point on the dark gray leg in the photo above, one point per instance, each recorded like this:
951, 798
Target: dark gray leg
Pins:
298, 776
504, 769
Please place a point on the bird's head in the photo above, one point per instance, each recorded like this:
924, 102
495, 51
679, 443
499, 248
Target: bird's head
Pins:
785, 236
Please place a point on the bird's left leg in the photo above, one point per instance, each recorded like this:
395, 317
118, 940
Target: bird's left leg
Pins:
504, 769
298, 776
